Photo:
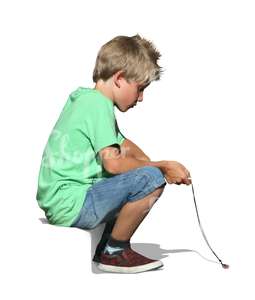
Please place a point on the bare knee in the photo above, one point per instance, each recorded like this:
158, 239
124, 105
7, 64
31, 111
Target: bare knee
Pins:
159, 190
153, 197
146, 203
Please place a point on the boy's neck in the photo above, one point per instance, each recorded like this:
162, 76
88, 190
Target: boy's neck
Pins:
105, 88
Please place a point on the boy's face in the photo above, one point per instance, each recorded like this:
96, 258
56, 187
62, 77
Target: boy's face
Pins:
127, 94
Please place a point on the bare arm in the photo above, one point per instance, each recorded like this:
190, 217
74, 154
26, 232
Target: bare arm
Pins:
116, 163
130, 149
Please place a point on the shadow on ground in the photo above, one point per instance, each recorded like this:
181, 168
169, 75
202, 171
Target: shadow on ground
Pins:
153, 251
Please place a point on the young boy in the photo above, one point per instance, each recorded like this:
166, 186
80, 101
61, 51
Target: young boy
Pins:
90, 173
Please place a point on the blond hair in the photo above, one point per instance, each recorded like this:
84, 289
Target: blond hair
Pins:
135, 56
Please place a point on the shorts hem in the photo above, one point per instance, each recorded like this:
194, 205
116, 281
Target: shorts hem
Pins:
150, 190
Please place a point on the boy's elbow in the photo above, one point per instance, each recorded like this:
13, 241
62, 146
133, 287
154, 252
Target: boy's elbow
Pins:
110, 159
111, 166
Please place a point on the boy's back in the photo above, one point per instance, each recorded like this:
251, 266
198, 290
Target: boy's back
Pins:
70, 164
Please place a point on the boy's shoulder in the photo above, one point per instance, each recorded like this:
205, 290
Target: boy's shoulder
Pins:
88, 102
89, 95
80, 91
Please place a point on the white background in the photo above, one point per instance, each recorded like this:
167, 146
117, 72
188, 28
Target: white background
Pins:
201, 114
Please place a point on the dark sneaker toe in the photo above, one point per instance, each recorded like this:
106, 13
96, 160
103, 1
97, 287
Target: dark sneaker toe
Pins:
128, 261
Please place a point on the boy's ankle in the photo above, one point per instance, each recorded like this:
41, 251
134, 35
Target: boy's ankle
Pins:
120, 237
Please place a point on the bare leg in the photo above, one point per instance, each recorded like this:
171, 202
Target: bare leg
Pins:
132, 214
104, 238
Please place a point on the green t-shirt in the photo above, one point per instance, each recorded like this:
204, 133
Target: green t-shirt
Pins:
70, 161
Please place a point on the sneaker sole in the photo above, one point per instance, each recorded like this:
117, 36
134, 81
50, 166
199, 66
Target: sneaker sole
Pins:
127, 270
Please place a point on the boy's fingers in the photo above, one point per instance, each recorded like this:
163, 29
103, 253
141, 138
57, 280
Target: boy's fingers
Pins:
188, 177
187, 173
187, 181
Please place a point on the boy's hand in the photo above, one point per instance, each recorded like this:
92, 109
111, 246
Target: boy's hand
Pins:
175, 172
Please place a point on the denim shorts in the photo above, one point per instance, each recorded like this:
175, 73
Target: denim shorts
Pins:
105, 198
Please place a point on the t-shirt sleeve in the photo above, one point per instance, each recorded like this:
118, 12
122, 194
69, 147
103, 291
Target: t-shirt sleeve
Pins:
100, 125
120, 136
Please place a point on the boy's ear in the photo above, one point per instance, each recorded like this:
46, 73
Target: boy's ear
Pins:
117, 77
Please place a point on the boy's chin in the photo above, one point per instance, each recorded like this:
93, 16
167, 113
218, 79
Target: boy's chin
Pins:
123, 109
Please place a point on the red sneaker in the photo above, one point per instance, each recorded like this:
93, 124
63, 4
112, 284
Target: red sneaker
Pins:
128, 261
